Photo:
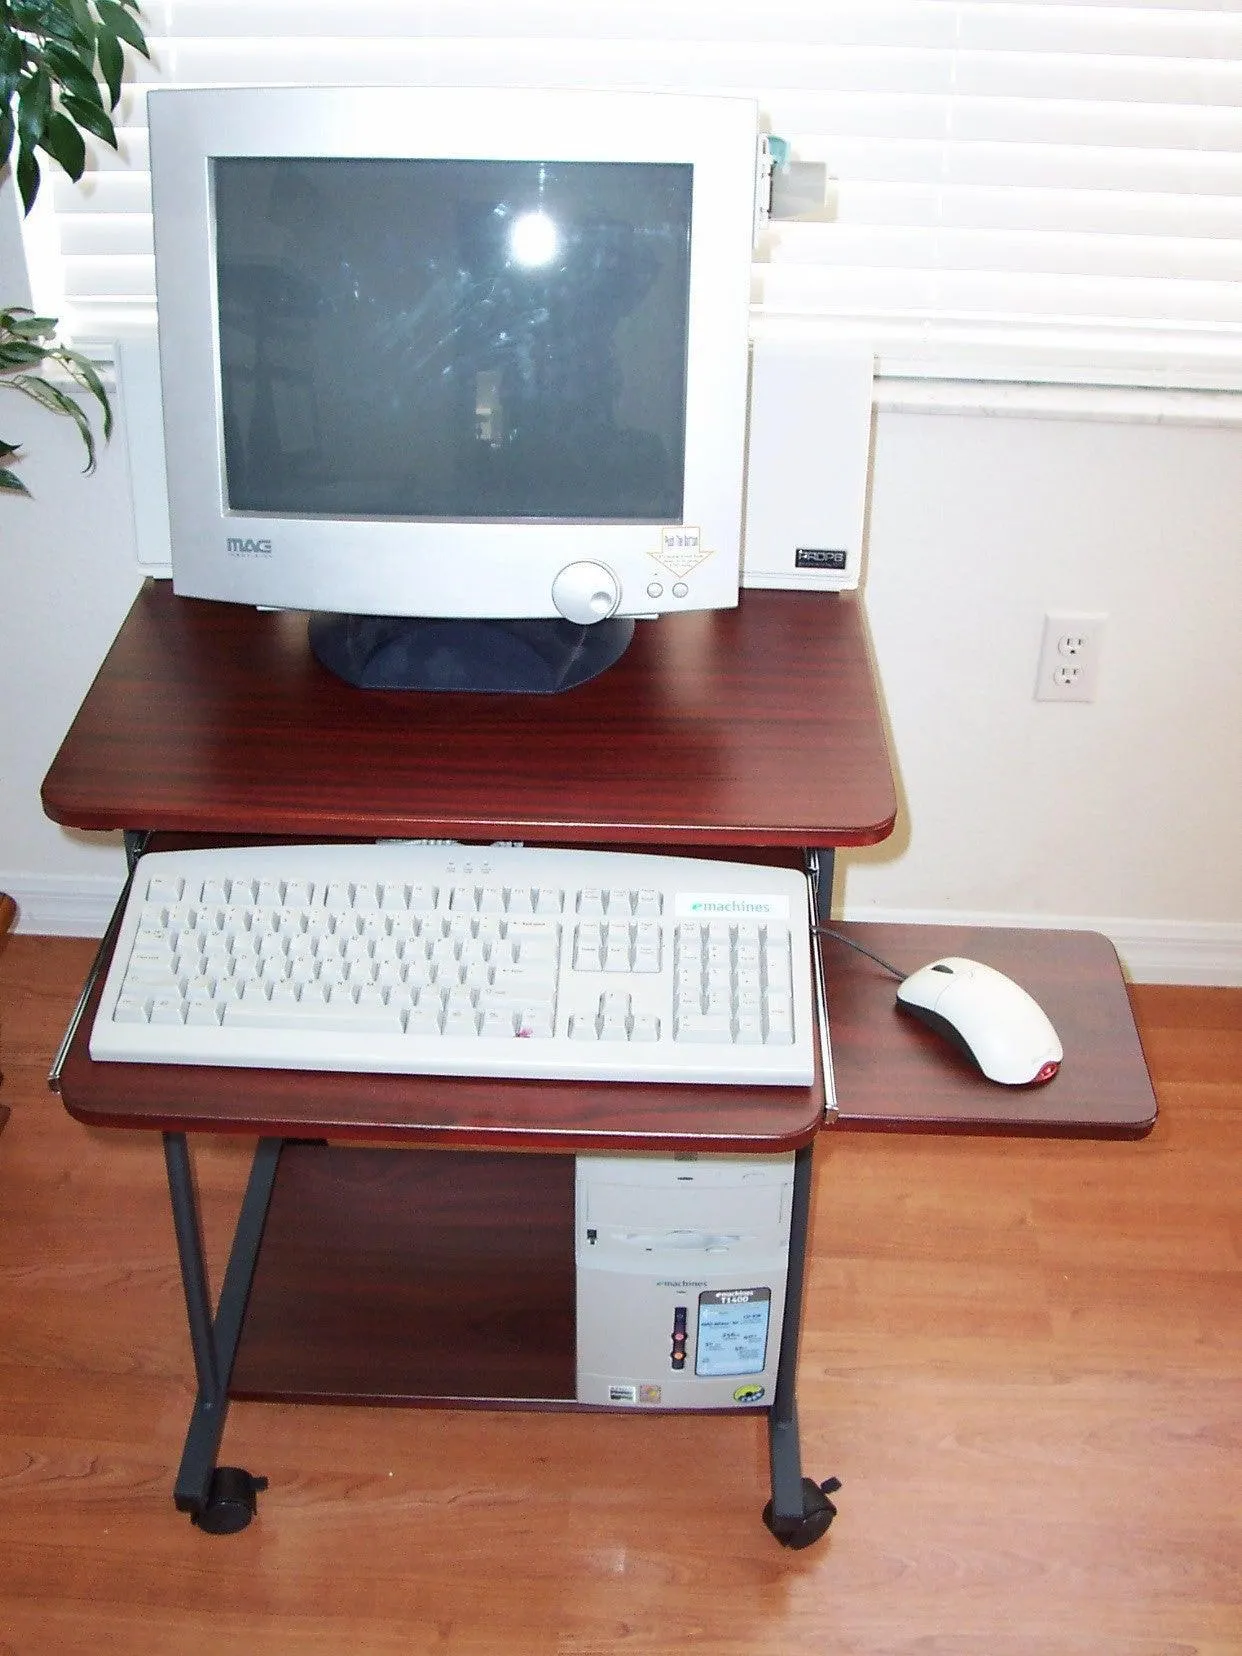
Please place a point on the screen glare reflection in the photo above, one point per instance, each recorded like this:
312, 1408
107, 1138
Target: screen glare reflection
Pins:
533, 240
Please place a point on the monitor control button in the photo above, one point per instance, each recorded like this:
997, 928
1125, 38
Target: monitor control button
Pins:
680, 589
654, 589
586, 592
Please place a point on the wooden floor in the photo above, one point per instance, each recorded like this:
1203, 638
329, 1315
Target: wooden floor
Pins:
1023, 1359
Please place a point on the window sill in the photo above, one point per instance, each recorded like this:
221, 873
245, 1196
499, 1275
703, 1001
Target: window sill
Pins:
1114, 404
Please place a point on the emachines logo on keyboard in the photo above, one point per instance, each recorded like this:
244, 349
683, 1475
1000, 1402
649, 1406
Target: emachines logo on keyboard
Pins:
713, 906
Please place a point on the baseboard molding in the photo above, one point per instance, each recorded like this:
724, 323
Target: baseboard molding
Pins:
1203, 954
63, 906
1151, 951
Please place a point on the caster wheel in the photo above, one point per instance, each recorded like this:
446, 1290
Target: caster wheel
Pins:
231, 1501
817, 1514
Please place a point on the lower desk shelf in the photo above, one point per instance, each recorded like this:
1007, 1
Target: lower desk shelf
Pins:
410, 1276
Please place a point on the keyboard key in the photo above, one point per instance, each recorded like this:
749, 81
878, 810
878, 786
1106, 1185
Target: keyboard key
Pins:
204, 1014
703, 1028
165, 888
306, 1019
590, 903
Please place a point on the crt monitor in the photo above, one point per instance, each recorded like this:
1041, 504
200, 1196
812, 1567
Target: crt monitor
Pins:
462, 372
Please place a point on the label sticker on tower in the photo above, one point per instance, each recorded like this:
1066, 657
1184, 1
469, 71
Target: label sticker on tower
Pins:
733, 1331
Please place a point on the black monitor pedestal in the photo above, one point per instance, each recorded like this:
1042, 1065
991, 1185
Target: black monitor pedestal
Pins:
384, 652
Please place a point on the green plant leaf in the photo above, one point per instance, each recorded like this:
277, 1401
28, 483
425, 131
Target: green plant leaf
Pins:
82, 13
111, 65
118, 19
52, 397
74, 76
27, 177
63, 142
91, 116
83, 371
34, 106
44, 22
71, 23
10, 483
20, 353
44, 393
25, 324
12, 62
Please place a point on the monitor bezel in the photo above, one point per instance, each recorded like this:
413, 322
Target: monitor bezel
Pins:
471, 568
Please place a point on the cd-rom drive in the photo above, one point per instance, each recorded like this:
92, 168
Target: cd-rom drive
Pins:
681, 1270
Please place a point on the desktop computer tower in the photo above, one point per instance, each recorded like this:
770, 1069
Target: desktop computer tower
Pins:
681, 1270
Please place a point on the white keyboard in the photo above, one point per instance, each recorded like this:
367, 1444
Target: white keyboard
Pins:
446, 959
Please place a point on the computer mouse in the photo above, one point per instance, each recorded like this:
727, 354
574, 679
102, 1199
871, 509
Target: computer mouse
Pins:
987, 1016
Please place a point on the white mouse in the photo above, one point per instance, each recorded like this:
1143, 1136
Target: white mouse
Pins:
988, 1016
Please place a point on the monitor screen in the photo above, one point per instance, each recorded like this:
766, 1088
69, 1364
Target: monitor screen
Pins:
453, 339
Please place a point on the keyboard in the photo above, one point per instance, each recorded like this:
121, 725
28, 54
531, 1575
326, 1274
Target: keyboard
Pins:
448, 959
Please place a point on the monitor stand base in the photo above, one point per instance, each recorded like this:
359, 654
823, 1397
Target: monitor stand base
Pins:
541, 657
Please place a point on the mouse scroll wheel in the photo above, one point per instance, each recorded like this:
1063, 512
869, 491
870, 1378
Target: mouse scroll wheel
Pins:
941, 967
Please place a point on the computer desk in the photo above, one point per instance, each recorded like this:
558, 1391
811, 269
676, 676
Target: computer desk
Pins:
753, 732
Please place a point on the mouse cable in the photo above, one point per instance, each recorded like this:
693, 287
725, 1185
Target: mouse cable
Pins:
840, 937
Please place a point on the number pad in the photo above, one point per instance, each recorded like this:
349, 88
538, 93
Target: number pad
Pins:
733, 983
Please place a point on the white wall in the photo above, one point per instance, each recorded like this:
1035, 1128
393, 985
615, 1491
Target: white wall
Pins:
1121, 815
67, 577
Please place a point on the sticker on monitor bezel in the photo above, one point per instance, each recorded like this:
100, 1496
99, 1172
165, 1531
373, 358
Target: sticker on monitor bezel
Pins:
681, 549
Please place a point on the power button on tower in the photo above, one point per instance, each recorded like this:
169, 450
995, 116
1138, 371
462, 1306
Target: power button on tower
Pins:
678, 1354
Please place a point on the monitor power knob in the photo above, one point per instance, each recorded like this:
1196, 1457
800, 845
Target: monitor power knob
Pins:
585, 592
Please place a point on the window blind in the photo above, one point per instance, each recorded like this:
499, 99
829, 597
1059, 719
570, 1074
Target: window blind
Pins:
1036, 190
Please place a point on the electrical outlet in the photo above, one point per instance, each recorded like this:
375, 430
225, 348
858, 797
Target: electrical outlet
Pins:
1069, 658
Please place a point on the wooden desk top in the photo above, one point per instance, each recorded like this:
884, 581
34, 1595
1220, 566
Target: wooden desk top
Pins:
735, 730
746, 727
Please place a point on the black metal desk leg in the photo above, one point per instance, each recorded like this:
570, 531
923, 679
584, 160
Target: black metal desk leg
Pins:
821, 866
799, 1511
220, 1499
135, 843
